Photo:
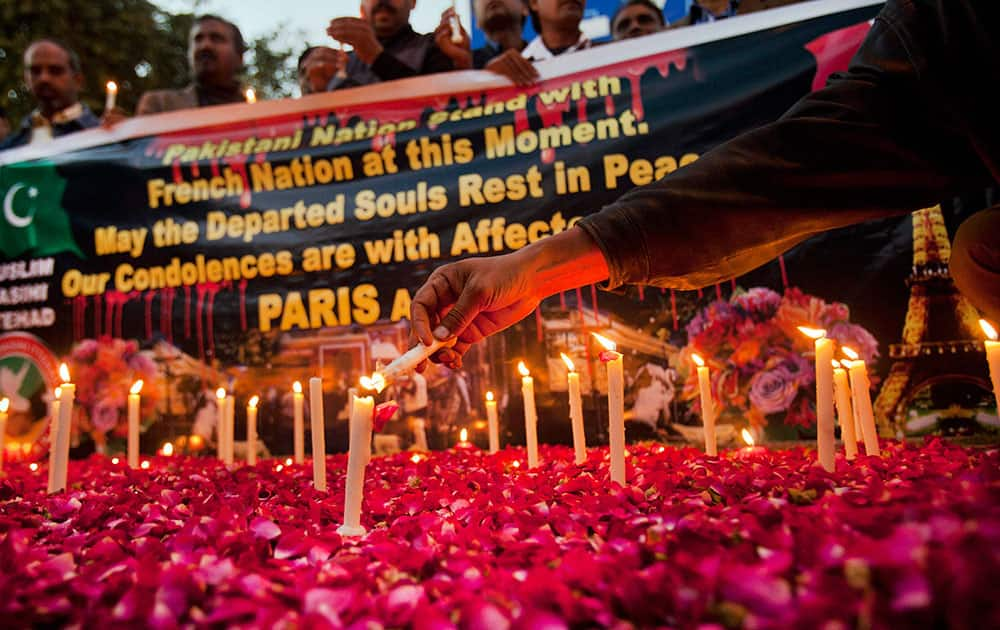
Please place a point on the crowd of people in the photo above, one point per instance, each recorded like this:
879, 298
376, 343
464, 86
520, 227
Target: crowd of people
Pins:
383, 46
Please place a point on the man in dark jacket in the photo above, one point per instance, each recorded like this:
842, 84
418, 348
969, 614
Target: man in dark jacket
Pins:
215, 56
53, 75
385, 45
907, 125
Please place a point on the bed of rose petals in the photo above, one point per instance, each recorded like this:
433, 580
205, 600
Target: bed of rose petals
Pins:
755, 538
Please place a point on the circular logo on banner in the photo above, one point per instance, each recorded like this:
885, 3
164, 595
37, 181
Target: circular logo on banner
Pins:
28, 375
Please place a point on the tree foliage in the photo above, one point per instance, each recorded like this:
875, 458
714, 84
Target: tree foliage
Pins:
132, 42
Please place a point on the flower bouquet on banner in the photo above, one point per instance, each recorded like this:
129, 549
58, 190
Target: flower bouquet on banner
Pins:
104, 371
760, 365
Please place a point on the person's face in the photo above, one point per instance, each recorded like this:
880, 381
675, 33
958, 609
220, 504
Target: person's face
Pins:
635, 21
494, 15
317, 70
49, 78
560, 13
387, 16
212, 53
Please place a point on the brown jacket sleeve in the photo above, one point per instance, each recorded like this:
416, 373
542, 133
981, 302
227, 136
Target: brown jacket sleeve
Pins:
885, 138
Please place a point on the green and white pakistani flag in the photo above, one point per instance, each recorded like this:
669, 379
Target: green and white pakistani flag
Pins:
34, 223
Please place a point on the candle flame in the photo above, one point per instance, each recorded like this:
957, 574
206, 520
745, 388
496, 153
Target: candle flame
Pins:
851, 354
144, 465
991, 332
516, 463
136, 387
604, 341
813, 333
168, 449
115, 460
251, 96
568, 361
64, 373
4, 405
415, 459
58, 393
375, 383
220, 393
489, 396
836, 363
112, 87
698, 360
297, 387
252, 403
278, 468
288, 461
747, 437
523, 369
33, 466
463, 435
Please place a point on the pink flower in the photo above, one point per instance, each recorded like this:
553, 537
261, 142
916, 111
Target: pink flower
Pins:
104, 416
772, 391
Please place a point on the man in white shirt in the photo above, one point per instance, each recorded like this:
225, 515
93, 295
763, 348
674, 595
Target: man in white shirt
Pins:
557, 23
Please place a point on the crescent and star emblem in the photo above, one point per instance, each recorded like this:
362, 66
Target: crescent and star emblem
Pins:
12, 217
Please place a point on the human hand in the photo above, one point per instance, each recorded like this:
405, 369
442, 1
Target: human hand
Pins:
459, 51
512, 64
359, 34
112, 117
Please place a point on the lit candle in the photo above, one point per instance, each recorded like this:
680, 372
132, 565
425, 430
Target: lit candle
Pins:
251, 96
220, 424
167, 450
491, 419
53, 428
992, 356
318, 435
824, 396
252, 430
575, 410
111, 93
133, 424
707, 405
530, 414
4, 406
861, 398
362, 413
845, 410
616, 407
456, 31
298, 425
61, 442
230, 429
463, 436
410, 360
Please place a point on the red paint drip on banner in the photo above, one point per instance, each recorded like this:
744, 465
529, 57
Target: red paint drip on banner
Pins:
239, 165
579, 305
197, 322
520, 120
673, 307
195, 170
636, 88
215, 168
148, 298
581, 110
609, 105
243, 304
109, 311
718, 291
175, 168
213, 290
187, 312
97, 316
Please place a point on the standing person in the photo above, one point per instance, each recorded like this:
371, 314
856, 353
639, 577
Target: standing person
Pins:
904, 127
503, 23
635, 18
54, 77
557, 23
385, 46
215, 57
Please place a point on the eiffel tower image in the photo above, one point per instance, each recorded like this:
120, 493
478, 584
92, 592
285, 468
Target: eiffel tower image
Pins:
941, 352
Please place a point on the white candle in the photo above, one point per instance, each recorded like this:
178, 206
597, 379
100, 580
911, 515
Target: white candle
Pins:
845, 411
362, 410
862, 400
53, 428
134, 406
408, 362
230, 428
111, 93
530, 414
456, 31
824, 396
992, 347
707, 406
4, 406
61, 443
491, 420
616, 408
342, 70
298, 423
251, 96
252, 430
318, 435
575, 411
220, 424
